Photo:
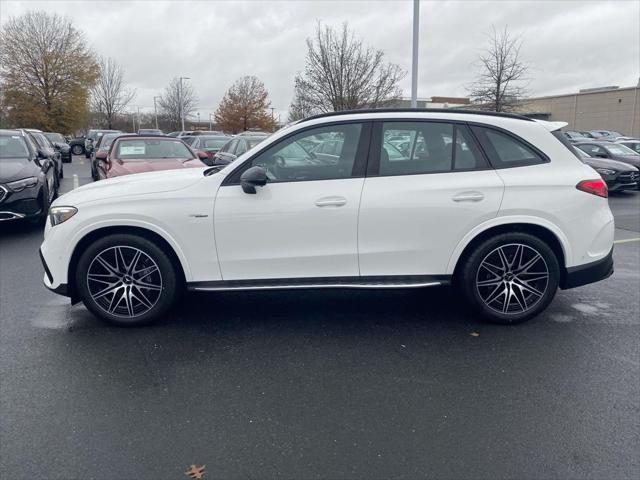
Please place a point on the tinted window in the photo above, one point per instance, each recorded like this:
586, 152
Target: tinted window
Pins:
429, 147
506, 150
231, 146
242, 147
293, 159
592, 150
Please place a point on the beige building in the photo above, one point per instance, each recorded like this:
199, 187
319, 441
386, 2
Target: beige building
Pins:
608, 108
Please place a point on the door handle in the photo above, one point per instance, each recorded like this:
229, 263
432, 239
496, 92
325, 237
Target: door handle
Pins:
468, 197
331, 202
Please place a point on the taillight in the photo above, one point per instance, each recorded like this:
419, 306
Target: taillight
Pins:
596, 187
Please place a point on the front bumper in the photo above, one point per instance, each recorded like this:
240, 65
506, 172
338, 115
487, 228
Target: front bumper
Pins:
588, 273
48, 280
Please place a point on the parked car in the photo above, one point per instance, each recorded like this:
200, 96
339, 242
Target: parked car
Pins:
500, 212
150, 131
587, 134
92, 137
28, 182
618, 175
576, 136
605, 135
236, 147
209, 144
46, 149
77, 145
196, 133
633, 144
60, 144
137, 154
103, 144
613, 151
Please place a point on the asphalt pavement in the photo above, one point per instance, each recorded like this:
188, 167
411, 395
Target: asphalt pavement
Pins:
320, 384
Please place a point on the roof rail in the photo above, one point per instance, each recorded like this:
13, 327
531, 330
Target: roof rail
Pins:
418, 110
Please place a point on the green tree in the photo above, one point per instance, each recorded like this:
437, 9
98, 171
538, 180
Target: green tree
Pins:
46, 71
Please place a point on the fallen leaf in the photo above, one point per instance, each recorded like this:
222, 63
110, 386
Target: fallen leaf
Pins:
196, 472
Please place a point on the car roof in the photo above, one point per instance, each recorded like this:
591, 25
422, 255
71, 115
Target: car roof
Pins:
10, 131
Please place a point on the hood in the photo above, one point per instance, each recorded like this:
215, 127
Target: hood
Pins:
16, 169
606, 163
141, 166
629, 159
132, 185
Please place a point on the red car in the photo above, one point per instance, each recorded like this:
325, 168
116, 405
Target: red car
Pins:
138, 153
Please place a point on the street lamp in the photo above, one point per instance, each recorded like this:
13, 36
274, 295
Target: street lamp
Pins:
210, 124
155, 111
198, 113
182, 101
414, 60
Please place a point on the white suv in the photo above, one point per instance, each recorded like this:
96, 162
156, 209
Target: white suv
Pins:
494, 203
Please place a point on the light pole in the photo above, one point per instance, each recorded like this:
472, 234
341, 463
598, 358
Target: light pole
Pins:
414, 62
155, 111
139, 122
182, 101
198, 113
210, 124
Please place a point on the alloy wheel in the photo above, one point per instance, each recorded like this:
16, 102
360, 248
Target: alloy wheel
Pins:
512, 279
124, 281
77, 150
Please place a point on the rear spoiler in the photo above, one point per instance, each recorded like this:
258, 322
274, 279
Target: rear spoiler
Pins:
551, 126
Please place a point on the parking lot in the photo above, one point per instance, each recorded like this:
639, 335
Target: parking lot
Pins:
309, 384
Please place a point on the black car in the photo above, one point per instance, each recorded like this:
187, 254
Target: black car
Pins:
619, 176
60, 144
632, 144
236, 147
28, 182
46, 149
77, 145
612, 151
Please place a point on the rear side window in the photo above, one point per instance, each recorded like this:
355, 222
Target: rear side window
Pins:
506, 150
412, 148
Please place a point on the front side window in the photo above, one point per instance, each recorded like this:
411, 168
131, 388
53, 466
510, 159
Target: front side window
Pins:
295, 159
506, 150
152, 150
592, 150
410, 148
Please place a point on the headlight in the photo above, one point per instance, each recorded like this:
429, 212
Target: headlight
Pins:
605, 171
20, 185
57, 215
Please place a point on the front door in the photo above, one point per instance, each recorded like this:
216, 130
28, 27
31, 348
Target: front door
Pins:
304, 222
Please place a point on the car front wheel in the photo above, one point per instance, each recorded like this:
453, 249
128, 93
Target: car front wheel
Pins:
510, 278
126, 280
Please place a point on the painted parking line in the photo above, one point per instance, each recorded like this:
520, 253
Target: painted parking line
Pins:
627, 240
76, 182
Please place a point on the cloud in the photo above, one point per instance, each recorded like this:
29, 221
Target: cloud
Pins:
570, 45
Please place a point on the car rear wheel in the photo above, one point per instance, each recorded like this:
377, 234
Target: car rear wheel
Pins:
77, 150
126, 280
510, 278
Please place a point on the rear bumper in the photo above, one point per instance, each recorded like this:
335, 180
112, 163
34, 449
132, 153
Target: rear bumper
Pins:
588, 273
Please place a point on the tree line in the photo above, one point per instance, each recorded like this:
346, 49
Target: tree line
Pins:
52, 80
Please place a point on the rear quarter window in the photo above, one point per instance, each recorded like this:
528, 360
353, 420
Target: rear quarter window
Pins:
505, 150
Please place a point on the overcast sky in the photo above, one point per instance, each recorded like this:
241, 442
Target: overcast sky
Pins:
568, 44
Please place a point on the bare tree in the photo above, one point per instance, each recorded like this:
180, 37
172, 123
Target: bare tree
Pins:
244, 106
498, 86
46, 70
109, 96
341, 73
169, 103
301, 106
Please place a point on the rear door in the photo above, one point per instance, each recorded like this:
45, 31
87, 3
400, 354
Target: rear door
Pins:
420, 199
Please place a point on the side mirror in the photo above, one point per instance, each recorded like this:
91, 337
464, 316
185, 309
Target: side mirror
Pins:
252, 178
101, 155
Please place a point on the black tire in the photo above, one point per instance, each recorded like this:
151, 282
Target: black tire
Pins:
61, 171
77, 150
477, 277
129, 291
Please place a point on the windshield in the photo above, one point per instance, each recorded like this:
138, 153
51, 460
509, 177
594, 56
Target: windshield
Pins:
108, 139
189, 140
55, 137
563, 140
213, 142
13, 146
620, 150
254, 141
152, 149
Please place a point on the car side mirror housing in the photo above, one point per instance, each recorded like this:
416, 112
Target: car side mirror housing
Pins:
252, 178
101, 155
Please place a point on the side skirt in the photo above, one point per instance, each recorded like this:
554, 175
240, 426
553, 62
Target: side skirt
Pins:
391, 281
